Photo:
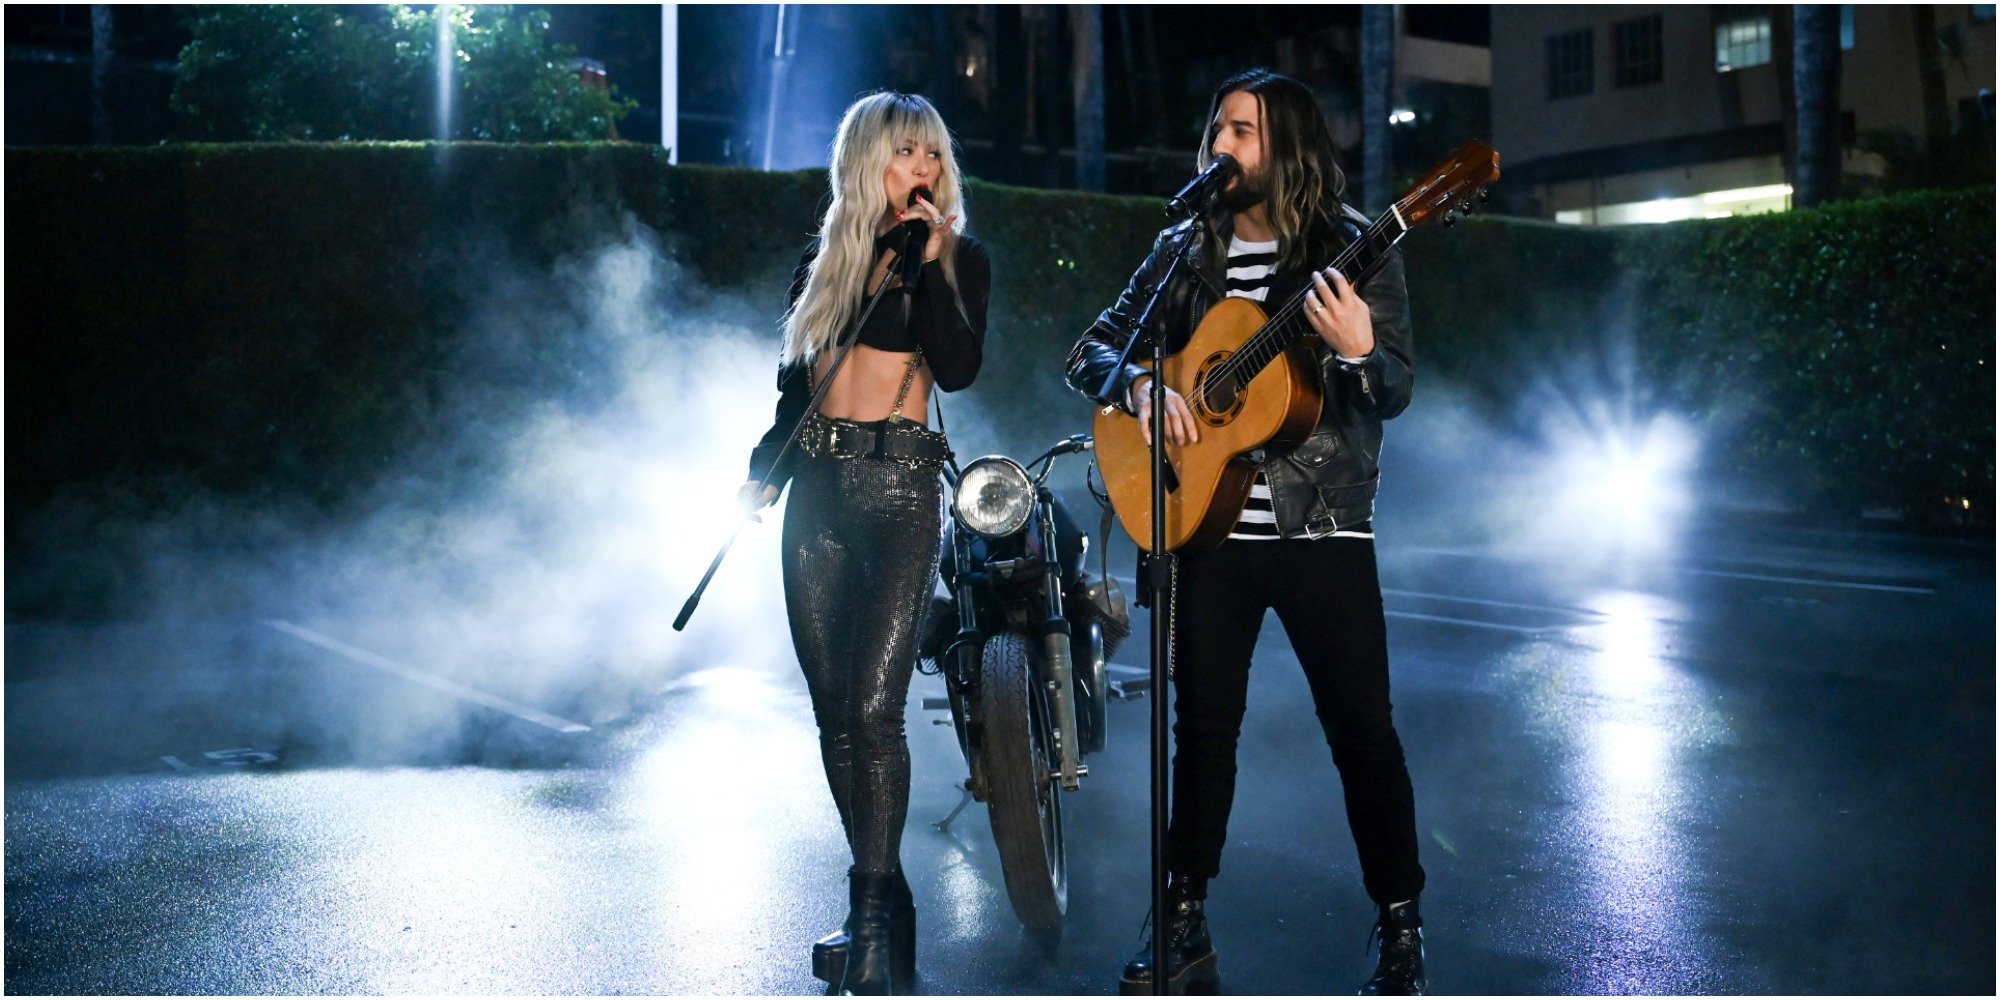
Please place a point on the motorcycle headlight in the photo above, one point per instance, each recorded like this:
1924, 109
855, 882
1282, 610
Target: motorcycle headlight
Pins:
994, 497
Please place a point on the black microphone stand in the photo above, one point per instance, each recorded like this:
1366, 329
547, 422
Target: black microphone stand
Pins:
845, 346
1160, 579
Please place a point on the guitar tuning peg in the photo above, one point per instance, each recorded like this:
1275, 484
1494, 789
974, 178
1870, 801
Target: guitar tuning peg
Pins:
1451, 218
1483, 195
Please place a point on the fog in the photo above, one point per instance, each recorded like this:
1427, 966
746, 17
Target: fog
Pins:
578, 473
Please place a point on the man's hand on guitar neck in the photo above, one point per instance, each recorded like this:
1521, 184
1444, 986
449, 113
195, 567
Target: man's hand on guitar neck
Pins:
1339, 315
1181, 427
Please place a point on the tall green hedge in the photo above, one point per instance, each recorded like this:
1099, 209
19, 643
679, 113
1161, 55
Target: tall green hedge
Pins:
276, 319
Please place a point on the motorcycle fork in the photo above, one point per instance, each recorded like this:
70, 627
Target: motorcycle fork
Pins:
1054, 629
970, 646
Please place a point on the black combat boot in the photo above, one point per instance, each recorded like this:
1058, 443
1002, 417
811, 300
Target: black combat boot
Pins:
1191, 965
878, 963
829, 954
1399, 967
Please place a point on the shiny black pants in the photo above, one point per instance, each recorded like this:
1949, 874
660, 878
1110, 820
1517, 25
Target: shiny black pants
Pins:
1327, 597
860, 554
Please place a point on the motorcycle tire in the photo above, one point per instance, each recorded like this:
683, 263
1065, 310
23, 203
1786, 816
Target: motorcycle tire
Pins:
1092, 678
1024, 800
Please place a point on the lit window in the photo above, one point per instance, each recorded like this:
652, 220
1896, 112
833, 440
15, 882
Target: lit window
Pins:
1636, 51
1569, 64
1743, 43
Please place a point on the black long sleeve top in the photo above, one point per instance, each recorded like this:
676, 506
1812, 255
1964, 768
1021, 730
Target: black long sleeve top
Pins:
951, 331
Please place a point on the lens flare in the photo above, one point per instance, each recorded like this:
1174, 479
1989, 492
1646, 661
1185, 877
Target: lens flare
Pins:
1618, 490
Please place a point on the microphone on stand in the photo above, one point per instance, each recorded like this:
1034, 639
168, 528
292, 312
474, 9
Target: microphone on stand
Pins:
1204, 186
916, 235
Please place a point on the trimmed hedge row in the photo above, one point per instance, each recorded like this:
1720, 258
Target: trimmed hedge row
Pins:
276, 319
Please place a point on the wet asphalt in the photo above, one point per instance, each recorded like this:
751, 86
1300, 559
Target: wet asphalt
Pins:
1766, 767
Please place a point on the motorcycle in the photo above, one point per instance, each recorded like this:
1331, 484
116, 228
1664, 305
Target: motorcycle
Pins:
1023, 642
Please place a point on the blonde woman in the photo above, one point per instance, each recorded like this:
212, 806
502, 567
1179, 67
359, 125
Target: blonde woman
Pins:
861, 530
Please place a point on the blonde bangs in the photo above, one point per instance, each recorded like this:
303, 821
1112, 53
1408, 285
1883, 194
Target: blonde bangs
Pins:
871, 131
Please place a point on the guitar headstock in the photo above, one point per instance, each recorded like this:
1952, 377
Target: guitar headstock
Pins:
1447, 190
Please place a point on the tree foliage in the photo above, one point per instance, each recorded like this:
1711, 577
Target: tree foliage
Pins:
323, 72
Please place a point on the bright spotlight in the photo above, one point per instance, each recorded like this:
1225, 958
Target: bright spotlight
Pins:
1620, 488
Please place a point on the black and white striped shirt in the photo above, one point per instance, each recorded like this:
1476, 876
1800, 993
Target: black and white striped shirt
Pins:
1252, 270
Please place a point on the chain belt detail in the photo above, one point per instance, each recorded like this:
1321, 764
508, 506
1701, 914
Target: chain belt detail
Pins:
900, 441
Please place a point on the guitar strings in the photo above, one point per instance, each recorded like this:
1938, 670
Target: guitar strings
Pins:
1269, 341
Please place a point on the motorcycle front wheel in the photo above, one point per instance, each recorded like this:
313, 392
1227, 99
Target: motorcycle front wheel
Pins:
1023, 800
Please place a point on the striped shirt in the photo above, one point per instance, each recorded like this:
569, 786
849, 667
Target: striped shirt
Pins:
1252, 270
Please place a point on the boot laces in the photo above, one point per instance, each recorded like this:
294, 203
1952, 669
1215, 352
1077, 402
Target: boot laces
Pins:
1378, 937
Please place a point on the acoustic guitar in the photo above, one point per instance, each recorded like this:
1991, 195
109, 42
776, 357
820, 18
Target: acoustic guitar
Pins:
1251, 381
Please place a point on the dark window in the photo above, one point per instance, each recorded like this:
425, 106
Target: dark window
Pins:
1635, 52
1743, 43
1846, 26
1982, 13
1569, 64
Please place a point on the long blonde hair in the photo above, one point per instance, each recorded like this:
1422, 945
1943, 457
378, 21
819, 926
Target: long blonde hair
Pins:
871, 131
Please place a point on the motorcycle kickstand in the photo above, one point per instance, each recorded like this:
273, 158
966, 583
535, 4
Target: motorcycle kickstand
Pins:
964, 799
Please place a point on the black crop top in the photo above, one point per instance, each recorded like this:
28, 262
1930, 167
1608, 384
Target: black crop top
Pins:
952, 338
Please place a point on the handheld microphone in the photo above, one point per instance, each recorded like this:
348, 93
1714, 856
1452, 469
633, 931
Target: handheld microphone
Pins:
916, 234
1204, 186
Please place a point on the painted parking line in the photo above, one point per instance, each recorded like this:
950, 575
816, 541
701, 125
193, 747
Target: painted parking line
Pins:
1807, 581
427, 679
1474, 623
1467, 622
1486, 602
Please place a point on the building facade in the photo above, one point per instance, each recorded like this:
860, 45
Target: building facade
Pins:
1650, 113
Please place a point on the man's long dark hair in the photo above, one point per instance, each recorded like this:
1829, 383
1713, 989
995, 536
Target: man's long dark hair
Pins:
1302, 168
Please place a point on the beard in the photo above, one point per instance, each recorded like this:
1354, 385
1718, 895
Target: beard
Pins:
1247, 193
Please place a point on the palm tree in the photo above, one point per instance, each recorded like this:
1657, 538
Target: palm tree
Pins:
1086, 25
1816, 102
1378, 47
1930, 73
101, 56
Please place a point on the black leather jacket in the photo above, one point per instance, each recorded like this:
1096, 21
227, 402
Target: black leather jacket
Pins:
1328, 482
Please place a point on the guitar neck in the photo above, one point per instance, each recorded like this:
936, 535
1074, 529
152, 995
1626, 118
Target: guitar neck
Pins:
1287, 324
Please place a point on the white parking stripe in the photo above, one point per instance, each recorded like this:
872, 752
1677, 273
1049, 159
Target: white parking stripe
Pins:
1691, 570
1491, 603
1523, 629
427, 679
1889, 587
1516, 629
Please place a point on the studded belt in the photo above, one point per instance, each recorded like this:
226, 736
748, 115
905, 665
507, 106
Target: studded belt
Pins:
897, 440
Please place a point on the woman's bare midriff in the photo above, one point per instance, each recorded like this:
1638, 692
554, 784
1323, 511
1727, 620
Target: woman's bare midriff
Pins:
865, 389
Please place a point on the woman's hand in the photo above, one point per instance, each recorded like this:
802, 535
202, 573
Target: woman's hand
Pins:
749, 499
1339, 315
938, 221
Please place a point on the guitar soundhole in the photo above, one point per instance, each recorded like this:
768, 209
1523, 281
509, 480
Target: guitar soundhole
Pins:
1218, 397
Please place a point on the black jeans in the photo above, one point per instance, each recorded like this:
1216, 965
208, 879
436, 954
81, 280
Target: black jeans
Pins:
1328, 599
860, 554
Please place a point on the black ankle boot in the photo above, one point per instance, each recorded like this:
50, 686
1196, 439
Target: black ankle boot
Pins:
878, 963
1191, 963
1399, 969
829, 954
